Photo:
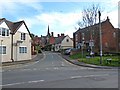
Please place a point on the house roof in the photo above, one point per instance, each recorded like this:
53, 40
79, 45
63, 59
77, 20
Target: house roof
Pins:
59, 39
14, 26
95, 25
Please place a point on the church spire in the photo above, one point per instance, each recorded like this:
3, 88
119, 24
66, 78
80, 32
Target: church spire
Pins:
48, 34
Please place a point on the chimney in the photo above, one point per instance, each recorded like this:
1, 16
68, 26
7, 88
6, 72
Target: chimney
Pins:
52, 34
58, 35
108, 18
62, 34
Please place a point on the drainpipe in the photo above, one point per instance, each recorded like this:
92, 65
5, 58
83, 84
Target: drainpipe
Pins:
12, 47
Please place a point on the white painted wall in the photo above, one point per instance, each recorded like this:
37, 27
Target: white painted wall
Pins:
7, 42
26, 43
22, 29
4, 25
65, 44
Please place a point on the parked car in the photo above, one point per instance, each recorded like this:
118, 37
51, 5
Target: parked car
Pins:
67, 51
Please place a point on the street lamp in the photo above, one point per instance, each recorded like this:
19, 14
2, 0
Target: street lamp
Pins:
100, 32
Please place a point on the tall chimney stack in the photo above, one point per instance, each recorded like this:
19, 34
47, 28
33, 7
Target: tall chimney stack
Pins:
62, 35
52, 34
58, 35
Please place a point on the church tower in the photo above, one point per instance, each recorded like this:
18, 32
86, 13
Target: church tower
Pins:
48, 33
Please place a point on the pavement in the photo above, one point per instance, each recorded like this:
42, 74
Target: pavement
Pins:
76, 62
34, 59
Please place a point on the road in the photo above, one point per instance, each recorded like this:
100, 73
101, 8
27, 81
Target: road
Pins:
55, 72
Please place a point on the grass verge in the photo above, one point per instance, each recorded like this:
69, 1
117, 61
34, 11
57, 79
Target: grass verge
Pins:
96, 60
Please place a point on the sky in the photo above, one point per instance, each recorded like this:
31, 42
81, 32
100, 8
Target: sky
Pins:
61, 16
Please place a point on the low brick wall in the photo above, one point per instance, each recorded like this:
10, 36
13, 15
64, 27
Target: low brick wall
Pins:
75, 51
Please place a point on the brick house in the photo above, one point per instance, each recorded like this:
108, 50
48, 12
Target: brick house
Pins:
36, 43
90, 35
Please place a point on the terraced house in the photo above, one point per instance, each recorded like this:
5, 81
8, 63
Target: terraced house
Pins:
15, 41
91, 37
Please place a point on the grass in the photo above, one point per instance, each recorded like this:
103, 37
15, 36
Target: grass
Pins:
96, 59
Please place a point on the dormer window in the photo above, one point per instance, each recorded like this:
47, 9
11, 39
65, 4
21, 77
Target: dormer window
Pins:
4, 32
23, 36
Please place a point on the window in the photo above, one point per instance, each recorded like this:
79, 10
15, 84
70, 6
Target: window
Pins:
4, 32
23, 35
67, 40
22, 49
106, 44
114, 34
2, 49
76, 37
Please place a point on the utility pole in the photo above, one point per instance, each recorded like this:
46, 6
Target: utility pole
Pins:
100, 32
83, 45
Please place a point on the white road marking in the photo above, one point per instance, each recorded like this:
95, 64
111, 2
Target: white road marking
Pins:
35, 69
36, 81
25, 69
74, 77
12, 84
56, 68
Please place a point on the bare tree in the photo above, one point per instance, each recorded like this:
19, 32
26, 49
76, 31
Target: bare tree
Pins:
89, 16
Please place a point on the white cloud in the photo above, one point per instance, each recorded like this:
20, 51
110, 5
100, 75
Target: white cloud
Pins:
60, 22
114, 18
111, 11
14, 6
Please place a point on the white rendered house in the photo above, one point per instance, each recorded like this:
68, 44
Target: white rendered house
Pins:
15, 41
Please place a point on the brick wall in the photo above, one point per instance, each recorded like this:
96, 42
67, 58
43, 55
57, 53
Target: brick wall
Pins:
109, 36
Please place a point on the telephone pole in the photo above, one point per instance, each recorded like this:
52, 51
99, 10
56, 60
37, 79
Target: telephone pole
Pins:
100, 32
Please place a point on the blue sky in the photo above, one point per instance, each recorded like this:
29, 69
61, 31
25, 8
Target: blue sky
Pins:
61, 16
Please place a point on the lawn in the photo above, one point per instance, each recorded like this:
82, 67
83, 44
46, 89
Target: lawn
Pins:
115, 60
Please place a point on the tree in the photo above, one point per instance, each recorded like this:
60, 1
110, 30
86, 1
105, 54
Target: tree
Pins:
89, 16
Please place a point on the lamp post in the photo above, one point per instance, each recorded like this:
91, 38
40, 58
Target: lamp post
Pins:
1, 50
100, 32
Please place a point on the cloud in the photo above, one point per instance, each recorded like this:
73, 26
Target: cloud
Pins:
111, 11
60, 22
13, 7
114, 18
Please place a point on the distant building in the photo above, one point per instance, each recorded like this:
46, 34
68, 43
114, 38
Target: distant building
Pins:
90, 36
49, 42
36, 44
63, 42
15, 41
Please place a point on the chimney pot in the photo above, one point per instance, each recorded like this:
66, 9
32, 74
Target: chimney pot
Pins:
58, 35
52, 34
